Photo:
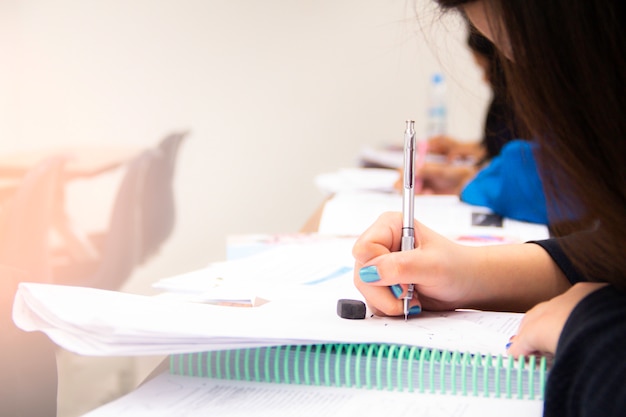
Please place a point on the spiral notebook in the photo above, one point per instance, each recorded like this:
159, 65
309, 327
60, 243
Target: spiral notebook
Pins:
374, 366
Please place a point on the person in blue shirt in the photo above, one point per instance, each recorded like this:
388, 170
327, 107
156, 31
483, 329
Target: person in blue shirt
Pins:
503, 175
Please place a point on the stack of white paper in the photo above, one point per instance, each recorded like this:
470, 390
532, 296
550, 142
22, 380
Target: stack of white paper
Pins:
358, 179
269, 273
98, 322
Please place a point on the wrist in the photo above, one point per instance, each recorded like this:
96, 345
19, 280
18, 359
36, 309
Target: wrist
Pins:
511, 277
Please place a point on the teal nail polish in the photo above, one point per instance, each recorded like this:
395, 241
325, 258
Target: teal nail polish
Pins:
369, 274
415, 310
396, 290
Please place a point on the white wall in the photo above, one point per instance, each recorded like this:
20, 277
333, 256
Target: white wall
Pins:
273, 91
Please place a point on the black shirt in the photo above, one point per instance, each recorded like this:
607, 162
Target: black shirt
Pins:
588, 375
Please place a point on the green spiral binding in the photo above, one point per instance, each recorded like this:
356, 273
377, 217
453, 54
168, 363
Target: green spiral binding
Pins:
498, 367
357, 370
542, 376
487, 365
277, 364
266, 365
465, 364
257, 362
390, 357
509, 370
327, 375
226, 363
531, 376
520, 374
307, 375
374, 366
475, 362
316, 367
286, 364
297, 364
246, 365
402, 355
339, 347
347, 367
237, 366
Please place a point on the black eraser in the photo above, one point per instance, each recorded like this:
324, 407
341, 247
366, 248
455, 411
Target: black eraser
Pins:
351, 309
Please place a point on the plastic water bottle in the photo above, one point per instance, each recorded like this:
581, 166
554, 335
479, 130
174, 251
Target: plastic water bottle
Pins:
436, 124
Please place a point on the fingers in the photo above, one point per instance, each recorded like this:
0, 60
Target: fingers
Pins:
525, 341
382, 238
379, 267
441, 144
379, 261
384, 300
542, 325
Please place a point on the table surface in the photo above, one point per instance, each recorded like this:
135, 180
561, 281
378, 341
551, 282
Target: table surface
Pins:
310, 226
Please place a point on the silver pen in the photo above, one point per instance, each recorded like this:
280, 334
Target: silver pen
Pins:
408, 202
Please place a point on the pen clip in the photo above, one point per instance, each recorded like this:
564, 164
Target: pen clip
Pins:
409, 155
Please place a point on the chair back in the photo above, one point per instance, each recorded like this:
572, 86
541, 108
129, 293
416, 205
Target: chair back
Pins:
27, 218
158, 202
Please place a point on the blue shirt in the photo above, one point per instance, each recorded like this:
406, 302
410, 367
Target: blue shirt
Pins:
510, 185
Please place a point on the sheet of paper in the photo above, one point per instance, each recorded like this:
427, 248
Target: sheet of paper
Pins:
103, 323
350, 213
358, 179
179, 396
268, 273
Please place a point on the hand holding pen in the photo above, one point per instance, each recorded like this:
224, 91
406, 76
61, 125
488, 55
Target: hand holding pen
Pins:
373, 240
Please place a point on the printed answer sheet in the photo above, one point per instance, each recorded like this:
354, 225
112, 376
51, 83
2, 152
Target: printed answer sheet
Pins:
83, 321
181, 396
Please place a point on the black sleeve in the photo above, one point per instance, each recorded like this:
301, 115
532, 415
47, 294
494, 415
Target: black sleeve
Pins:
558, 256
588, 376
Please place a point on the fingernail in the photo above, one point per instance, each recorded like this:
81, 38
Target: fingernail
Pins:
396, 290
415, 310
369, 274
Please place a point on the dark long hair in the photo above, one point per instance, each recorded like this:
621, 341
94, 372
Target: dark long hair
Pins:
501, 126
566, 80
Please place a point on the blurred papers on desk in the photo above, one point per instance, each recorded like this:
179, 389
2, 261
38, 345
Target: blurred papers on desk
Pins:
392, 157
387, 157
355, 179
274, 269
351, 213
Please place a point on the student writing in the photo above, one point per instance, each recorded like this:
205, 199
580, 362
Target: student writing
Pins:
565, 68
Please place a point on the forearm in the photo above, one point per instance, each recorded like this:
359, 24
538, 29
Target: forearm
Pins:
510, 277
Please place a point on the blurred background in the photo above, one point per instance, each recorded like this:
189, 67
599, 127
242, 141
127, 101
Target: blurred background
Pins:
272, 93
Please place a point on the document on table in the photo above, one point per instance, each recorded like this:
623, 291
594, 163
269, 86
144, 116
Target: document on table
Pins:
169, 395
97, 322
351, 179
271, 273
351, 213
